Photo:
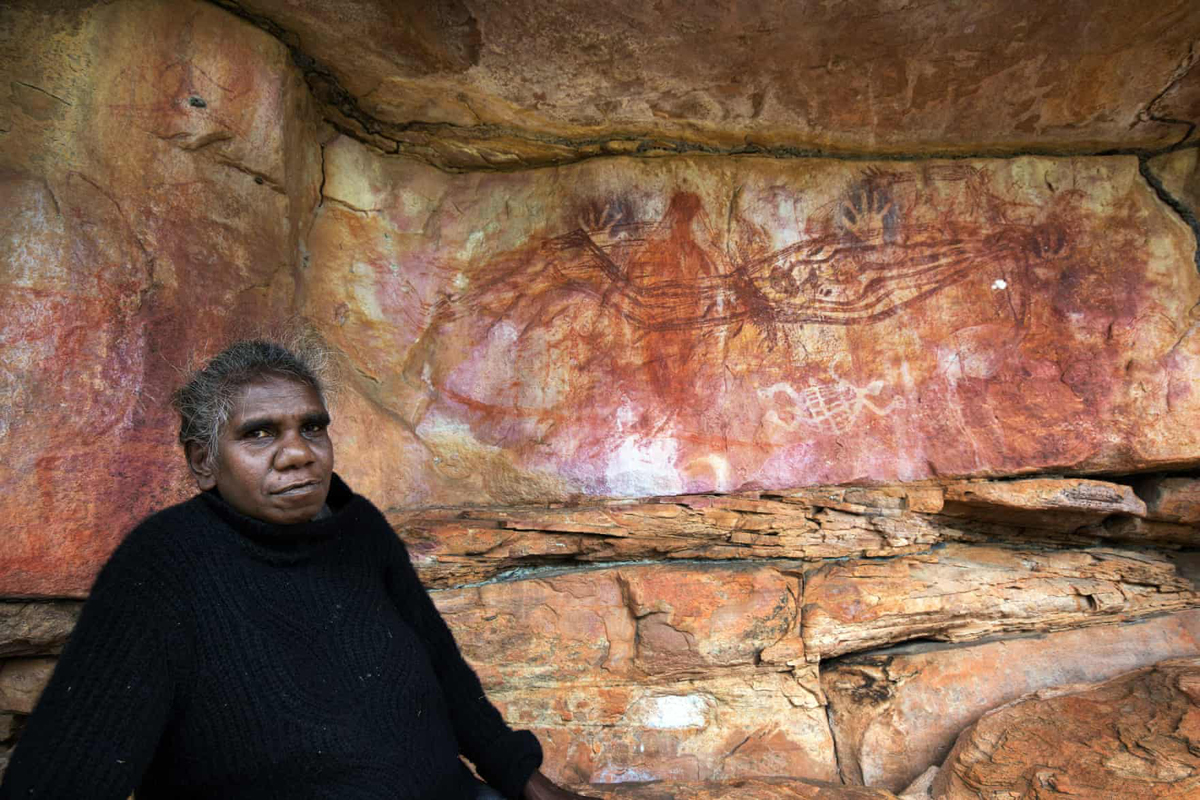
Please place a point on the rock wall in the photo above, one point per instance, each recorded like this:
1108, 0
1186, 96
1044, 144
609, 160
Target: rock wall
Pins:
159, 167
725, 469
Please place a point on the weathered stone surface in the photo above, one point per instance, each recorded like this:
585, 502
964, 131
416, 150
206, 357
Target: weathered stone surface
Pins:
22, 681
752, 323
452, 545
1057, 503
651, 672
743, 722
744, 789
963, 592
35, 628
157, 168
1172, 499
478, 85
1132, 736
896, 712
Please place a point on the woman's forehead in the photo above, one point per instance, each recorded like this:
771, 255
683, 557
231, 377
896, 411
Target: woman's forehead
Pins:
273, 396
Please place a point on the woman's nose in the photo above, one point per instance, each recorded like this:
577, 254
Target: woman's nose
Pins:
294, 451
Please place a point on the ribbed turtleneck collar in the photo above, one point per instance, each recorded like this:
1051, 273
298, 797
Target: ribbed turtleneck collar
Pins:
302, 533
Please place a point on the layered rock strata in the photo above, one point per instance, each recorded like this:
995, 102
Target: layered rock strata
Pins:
964, 592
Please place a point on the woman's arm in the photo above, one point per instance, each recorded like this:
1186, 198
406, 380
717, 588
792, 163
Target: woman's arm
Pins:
504, 758
97, 724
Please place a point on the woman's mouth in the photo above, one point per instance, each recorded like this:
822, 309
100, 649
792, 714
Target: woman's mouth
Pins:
300, 488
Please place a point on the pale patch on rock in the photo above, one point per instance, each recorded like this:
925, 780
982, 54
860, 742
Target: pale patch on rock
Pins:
671, 712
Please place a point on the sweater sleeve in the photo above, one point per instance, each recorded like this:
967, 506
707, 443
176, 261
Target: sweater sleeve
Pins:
97, 724
505, 758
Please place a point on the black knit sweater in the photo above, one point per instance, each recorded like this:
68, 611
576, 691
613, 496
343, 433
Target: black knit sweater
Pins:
223, 657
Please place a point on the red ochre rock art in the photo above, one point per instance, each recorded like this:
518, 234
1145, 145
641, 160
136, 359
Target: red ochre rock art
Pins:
633, 328
145, 218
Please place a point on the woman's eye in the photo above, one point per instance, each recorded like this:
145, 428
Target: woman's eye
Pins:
258, 433
314, 428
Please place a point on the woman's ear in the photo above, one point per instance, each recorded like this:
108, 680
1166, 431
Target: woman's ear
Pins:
201, 465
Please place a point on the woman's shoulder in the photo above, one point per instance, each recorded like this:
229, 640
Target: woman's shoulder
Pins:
162, 541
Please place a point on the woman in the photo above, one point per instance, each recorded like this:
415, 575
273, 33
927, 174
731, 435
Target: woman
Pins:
267, 638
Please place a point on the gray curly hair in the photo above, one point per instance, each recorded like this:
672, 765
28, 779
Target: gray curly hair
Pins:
205, 401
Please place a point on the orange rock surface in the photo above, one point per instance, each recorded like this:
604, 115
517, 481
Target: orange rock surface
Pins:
651, 672
895, 712
482, 86
744, 789
1133, 736
156, 167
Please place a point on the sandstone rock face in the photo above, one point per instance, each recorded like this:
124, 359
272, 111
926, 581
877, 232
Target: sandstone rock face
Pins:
1132, 736
35, 628
743, 324
474, 85
22, 681
745, 789
962, 593
850, 402
651, 672
157, 165
895, 712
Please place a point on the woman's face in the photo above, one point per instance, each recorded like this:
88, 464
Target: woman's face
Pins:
275, 460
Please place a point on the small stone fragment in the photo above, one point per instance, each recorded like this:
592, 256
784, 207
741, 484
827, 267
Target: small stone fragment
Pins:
28, 629
922, 787
1054, 503
22, 681
1172, 499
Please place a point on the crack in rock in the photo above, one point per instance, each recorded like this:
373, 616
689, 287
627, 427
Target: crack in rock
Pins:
1172, 202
